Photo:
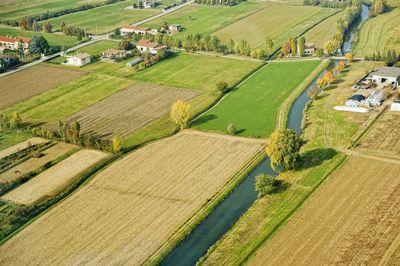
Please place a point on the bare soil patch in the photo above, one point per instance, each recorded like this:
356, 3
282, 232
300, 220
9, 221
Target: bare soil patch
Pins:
32, 81
130, 209
55, 179
129, 109
33, 164
353, 218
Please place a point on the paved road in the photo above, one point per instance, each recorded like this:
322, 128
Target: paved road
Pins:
93, 40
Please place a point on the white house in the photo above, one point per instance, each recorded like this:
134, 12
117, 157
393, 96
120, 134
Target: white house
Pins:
385, 76
151, 47
133, 29
14, 43
174, 28
78, 59
148, 3
309, 48
395, 106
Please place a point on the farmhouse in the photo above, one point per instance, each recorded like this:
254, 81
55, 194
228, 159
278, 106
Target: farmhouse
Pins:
78, 60
148, 3
309, 48
385, 76
133, 29
151, 47
174, 28
14, 43
113, 54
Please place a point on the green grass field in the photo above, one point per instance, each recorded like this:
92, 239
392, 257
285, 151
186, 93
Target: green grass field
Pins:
323, 32
69, 98
53, 39
379, 33
253, 106
279, 22
97, 47
205, 19
17, 9
103, 19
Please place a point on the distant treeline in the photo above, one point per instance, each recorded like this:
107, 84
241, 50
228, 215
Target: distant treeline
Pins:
327, 3
59, 13
219, 2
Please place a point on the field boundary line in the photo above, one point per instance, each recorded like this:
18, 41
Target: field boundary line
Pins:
341, 162
204, 211
284, 109
224, 136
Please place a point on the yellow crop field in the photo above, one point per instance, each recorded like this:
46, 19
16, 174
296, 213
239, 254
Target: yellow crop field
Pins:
55, 179
352, 219
126, 212
33, 163
20, 146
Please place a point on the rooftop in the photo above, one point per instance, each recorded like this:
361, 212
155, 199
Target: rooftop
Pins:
15, 39
149, 44
390, 72
309, 45
82, 55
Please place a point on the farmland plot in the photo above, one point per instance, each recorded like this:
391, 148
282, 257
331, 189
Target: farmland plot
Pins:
55, 179
33, 81
20, 146
352, 218
129, 109
33, 164
130, 209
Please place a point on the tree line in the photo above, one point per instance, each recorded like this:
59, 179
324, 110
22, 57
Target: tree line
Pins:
390, 57
327, 3
219, 2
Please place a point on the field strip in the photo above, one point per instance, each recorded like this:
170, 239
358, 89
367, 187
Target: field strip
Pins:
130, 209
224, 136
129, 109
33, 164
21, 146
340, 222
55, 179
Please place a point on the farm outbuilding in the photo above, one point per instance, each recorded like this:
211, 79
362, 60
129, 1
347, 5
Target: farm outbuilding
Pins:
385, 76
395, 106
78, 60
134, 62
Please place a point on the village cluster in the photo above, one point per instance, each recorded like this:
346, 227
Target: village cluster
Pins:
372, 90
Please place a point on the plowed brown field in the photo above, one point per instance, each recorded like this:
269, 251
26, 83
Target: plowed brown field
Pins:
126, 212
384, 135
55, 179
33, 164
129, 109
353, 218
32, 81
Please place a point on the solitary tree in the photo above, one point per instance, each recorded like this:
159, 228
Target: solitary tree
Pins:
222, 86
231, 129
117, 144
269, 46
180, 113
329, 77
312, 93
283, 149
266, 184
378, 6
16, 121
302, 45
349, 57
47, 27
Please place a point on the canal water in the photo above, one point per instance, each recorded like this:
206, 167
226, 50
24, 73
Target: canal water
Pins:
349, 38
193, 247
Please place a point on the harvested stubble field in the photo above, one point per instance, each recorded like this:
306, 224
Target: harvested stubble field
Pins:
55, 179
353, 218
383, 138
323, 32
129, 109
33, 81
33, 164
21, 146
277, 21
145, 197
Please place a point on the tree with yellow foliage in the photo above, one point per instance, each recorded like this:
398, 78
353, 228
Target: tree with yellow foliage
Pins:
180, 113
321, 83
329, 77
117, 144
340, 67
349, 57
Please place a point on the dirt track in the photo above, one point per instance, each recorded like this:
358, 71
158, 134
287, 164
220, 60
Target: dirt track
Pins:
353, 217
132, 208
129, 109
33, 81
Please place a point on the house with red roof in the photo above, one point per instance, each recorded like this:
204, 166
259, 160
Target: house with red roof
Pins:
13, 43
148, 46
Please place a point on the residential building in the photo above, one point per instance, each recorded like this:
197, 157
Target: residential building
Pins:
113, 54
133, 29
309, 48
14, 43
78, 60
174, 28
395, 106
148, 3
151, 47
385, 76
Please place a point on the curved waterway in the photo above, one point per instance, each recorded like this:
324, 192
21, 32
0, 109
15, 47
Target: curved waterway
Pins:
194, 246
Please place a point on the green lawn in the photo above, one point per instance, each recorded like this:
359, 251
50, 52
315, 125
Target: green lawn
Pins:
103, 19
53, 39
17, 9
379, 34
69, 98
253, 106
205, 19
277, 21
97, 47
